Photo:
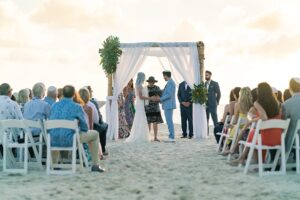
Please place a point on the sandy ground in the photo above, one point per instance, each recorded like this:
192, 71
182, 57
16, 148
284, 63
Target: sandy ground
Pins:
188, 169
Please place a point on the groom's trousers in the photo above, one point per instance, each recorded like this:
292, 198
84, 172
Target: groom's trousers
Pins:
169, 119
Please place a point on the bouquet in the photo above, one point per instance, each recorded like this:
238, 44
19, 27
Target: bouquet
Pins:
199, 94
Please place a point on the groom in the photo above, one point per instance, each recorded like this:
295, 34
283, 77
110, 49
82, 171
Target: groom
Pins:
168, 103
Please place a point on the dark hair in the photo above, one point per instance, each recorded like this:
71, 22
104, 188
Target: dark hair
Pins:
279, 96
167, 73
231, 96
286, 94
236, 92
254, 94
5, 89
13, 98
68, 91
267, 100
209, 72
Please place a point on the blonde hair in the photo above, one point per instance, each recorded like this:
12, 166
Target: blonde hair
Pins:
23, 96
85, 95
245, 100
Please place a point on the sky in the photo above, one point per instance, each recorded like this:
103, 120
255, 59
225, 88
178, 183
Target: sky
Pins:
57, 41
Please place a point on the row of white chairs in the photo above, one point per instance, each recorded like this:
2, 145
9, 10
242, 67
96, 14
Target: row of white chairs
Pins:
256, 144
11, 130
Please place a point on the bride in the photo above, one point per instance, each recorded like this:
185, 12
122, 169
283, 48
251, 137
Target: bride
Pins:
139, 131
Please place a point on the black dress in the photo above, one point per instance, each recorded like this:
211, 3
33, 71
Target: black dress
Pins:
153, 110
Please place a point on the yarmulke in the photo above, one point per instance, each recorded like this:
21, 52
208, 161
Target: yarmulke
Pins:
296, 79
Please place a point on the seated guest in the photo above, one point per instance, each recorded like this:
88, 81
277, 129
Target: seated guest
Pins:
23, 98
291, 109
267, 107
8, 108
37, 109
51, 95
228, 110
59, 93
286, 95
67, 109
99, 125
241, 110
85, 96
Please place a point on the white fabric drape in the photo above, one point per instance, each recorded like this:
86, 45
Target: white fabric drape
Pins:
184, 63
185, 60
131, 61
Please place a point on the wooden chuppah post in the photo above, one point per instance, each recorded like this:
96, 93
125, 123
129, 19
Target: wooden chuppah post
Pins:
109, 85
200, 47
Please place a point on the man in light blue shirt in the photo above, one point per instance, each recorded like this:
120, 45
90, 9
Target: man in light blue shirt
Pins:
67, 109
51, 95
37, 109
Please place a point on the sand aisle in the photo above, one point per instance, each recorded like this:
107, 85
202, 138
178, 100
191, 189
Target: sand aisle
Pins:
188, 170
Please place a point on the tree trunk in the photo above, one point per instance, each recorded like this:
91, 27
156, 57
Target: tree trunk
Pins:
109, 89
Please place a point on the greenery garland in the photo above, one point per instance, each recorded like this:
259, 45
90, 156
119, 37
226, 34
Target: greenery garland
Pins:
110, 54
199, 94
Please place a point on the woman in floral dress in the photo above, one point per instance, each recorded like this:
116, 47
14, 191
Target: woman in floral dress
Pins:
124, 130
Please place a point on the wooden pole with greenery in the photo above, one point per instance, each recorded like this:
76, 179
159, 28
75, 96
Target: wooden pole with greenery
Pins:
200, 47
110, 54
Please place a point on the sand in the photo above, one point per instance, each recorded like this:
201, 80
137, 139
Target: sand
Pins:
188, 169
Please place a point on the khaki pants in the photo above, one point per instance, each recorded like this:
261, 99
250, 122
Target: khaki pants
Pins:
92, 139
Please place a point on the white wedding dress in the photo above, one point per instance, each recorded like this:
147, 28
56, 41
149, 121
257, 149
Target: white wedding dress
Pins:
139, 131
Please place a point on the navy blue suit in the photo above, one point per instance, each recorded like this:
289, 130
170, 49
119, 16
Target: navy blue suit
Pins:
214, 95
184, 95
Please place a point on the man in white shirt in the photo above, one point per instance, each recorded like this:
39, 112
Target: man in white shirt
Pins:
8, 108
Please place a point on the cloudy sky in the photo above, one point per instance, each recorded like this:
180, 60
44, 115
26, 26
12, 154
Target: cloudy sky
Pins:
57, 41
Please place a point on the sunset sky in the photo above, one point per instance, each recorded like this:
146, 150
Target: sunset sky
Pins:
57, 41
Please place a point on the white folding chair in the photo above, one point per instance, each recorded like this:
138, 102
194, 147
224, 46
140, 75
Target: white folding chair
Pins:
241, 121
222, 134
256, 144
296, 146
10, 141
63, 168
42, 136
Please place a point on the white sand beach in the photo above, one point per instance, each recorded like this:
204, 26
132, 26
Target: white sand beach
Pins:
186, 170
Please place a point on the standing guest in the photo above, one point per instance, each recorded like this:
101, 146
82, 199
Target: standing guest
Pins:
8, 108
152, 109
124, 130
286, 95
98, 125
37, 109
291, 109
186, 108
214, 95
59, 94
67, 109
51, 95
23, 98
129, 103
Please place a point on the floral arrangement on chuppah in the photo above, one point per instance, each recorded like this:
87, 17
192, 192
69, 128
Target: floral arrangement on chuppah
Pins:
199, 94
110, 54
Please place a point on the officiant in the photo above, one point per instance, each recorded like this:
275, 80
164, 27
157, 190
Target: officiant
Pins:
153, 112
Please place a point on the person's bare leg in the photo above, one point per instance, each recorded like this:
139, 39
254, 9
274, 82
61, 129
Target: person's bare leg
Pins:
155, 129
